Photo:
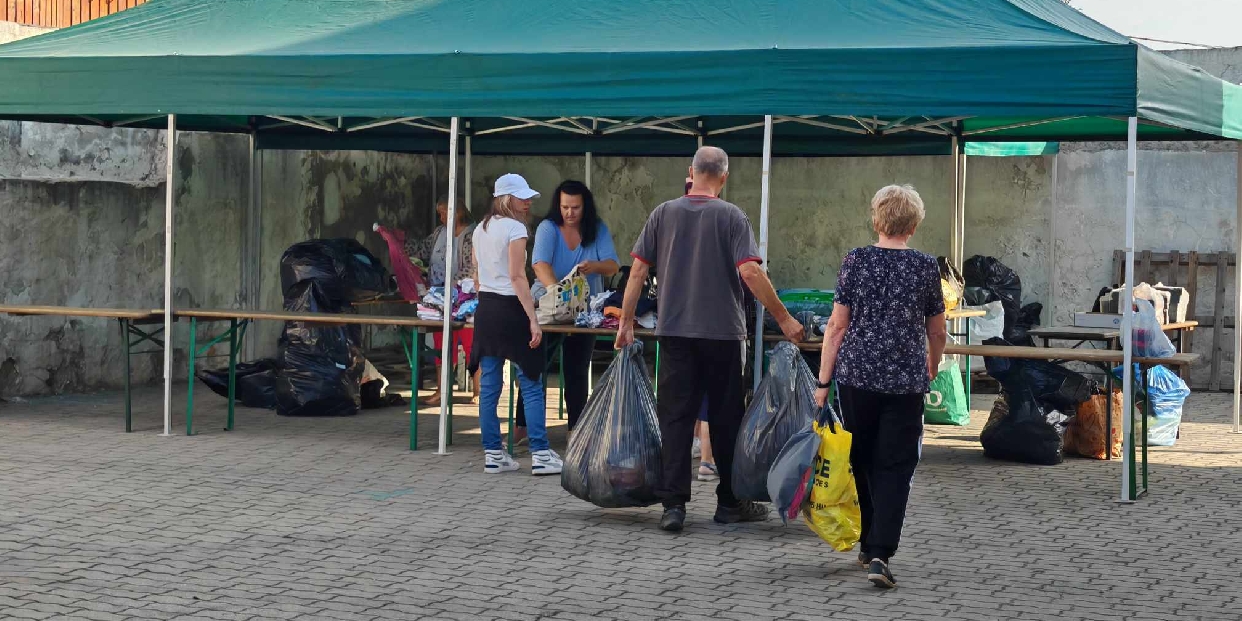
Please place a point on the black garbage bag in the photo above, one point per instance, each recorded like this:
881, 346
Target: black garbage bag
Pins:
1028, 317
345, 269
783, 405
613, 459
1020, 429
989, 280
255, 382
1052, 384
320, 366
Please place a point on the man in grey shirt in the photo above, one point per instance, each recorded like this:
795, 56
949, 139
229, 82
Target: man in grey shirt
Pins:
701, 245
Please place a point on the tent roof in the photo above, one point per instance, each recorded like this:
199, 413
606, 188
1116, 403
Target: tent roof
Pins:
998, 69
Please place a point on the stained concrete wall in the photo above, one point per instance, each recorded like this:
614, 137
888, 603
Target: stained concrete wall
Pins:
84, 214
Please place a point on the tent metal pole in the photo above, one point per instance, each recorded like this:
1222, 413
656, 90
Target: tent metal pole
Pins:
169, 196
252, 256
468, 204
1127, 316
1237, 309
446, 369
960, 257
587, 170
955, 147
765, 185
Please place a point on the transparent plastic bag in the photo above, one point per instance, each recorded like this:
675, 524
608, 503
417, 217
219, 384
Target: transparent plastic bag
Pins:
783, 405
613, 459
1150, 341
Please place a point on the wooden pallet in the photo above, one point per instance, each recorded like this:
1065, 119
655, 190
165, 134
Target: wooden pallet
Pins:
1181, 269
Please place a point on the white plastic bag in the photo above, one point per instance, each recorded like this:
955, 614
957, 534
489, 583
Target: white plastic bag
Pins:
991, 325
564, 300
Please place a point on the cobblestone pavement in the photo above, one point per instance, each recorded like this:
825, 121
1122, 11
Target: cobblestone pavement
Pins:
337, 519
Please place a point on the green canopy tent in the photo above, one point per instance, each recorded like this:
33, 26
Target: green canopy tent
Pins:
646, 76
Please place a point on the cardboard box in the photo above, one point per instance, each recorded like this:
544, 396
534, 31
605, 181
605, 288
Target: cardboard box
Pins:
1097, 320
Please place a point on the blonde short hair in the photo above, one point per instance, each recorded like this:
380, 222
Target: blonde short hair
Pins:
896, 210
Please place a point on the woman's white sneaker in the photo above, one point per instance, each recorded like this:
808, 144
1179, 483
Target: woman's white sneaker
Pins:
545, 462
495, 462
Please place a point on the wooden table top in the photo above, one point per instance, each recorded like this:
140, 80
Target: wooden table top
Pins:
1079, 333
75, 311
325, 318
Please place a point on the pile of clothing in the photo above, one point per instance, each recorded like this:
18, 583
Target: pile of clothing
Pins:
605, 312
464, 297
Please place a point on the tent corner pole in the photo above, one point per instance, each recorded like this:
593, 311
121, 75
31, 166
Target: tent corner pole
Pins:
1127, 314
466, 194
1237, 311
170, 143
446, 364
765, 184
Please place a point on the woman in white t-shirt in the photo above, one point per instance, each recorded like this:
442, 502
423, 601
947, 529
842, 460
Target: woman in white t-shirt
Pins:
505, 327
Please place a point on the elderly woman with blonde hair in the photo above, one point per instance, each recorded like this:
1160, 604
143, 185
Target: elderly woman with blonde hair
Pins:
883, 346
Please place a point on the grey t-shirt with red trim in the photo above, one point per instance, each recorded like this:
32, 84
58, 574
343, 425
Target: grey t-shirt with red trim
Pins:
696, 244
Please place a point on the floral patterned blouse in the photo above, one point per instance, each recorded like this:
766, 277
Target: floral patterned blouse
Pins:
890, 294
424, 250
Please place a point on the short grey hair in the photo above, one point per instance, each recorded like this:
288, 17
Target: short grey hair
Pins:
711, 161
897, 210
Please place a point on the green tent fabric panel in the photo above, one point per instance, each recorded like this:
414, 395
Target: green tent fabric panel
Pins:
1065, 80
213, 63
1232, 112
587, 57
1177, 94
316, 28
1011, 149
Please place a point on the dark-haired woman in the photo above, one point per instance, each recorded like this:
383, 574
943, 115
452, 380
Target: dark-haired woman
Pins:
572, 235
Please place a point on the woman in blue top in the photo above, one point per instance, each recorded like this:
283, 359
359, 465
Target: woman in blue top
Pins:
572, 235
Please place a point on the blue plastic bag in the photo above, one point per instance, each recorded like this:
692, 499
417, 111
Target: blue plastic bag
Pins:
1167, 393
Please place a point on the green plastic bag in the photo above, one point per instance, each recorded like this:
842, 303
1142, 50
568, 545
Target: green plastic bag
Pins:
945, 403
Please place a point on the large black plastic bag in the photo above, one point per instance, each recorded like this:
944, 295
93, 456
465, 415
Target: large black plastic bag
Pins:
1052, 384
320, 366
1022, 430
783, 405
988, 280
613, 459
345, 269
255, 382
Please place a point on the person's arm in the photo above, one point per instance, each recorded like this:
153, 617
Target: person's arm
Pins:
937, 338
629, 304
468, 261
521, 287
541, 254
543, 271
838, 323
608, 263
761, 287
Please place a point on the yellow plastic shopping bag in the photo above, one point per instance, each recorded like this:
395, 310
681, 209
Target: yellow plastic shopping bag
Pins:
832, 510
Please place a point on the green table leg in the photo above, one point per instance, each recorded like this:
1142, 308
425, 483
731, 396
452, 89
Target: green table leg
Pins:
656, 384
1146, 414
129, 404
232, 373
967, 365
560, 378
413, 356
189, 399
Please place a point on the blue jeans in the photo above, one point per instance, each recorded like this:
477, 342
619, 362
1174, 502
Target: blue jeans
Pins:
491, 381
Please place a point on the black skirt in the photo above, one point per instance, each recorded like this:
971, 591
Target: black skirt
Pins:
502, 330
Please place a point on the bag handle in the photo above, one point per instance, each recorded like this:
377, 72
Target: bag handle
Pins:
828, 416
